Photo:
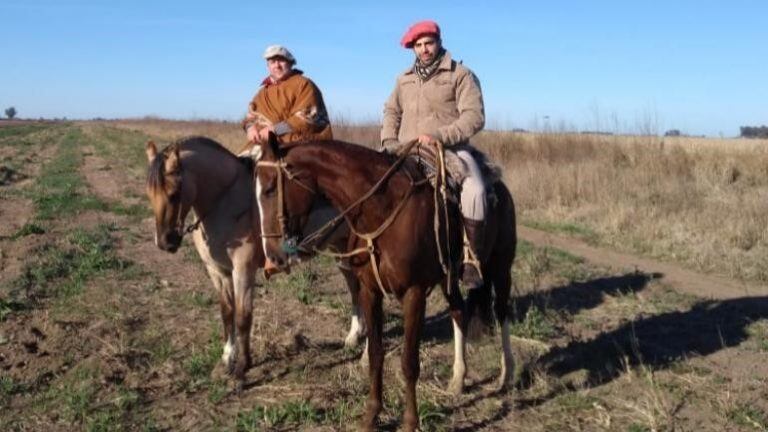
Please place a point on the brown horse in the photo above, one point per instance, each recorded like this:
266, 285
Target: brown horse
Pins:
199, 174
400, 261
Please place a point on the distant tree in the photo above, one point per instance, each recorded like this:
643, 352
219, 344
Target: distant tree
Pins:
10, 112
754, 131
672, 133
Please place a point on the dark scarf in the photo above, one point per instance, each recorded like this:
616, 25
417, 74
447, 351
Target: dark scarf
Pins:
426, 71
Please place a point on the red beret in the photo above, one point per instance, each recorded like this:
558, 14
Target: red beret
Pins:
419, 29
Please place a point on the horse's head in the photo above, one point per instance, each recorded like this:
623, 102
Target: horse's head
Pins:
286, 195
169, 197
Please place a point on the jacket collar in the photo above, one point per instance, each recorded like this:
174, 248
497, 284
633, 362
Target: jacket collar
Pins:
445, 64
268, 81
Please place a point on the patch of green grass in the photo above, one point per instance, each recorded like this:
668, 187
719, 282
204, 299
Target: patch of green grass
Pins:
299, 282
21, 130
560, 256
8, 388
199, 300
342, 413
575, 402
123, 145
8, 306
749, 416
75, 395
757, 331
28, 229
62, 271
568, 228
60, 190
199, 365
157, 343
432, 416
217, 391
635, 427
537, 324
295, 413
136, 212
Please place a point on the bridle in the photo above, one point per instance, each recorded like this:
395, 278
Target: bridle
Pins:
290, 240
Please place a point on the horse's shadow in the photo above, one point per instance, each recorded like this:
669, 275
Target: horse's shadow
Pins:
571, 298
659, 341
578, 296
277, 366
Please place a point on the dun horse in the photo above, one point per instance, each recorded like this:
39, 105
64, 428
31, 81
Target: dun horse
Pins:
198, 173
399, 260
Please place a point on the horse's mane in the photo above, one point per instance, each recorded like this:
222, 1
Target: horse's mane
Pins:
356, 151
156, 171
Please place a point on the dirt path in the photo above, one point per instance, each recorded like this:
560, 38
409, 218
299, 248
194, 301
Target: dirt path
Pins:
684, 280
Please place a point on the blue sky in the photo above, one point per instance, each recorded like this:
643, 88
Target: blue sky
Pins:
698, 66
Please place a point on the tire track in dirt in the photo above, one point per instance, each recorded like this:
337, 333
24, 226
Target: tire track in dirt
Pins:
684, 280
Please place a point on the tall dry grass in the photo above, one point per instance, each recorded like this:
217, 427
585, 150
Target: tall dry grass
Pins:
702, 202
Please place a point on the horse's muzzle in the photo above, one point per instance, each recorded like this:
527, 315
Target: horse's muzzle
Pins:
169, 241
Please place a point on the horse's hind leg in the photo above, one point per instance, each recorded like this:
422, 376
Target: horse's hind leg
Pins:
503, 286
357, 326
458, 318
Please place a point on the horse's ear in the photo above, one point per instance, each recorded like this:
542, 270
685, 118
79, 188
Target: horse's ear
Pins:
172, 161
151, 150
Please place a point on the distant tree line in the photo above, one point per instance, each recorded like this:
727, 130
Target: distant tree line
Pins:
754, 131
10, 113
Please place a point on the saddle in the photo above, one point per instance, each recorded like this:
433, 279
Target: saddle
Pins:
424, 159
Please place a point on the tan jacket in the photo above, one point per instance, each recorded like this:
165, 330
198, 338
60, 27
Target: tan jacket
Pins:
448, 106
295, 101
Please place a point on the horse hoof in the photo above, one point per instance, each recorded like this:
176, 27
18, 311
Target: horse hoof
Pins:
351, 342
456, 387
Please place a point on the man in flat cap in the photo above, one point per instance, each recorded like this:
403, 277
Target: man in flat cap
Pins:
288, 104
439, 99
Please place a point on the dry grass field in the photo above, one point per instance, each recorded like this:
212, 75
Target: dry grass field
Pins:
101, 331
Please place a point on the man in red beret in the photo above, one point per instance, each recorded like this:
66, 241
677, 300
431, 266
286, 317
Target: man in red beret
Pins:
439, 99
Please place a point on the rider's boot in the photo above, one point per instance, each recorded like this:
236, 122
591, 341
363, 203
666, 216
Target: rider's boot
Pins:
471, 275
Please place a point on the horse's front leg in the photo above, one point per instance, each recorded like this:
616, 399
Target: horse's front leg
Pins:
223, 285
357, 326
370, 302
243, 278
414, 305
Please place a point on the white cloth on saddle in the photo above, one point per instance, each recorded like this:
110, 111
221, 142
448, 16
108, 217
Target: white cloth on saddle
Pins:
473, 202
